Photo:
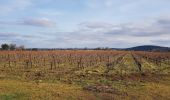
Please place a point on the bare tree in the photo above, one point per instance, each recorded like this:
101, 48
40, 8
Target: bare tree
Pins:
12, 46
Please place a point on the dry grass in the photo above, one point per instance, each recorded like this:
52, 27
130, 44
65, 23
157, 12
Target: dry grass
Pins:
122, 82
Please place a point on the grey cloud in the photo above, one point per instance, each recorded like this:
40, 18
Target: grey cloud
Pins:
21, 39
164, 23
96, 34
156, 28
7, 35
105, 34
38, 22
41, 22
11, 36
161, 41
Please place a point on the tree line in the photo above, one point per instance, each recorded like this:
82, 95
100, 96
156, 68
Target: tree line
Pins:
6, 46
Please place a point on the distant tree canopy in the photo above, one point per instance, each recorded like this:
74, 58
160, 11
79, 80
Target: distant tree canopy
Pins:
11, 47
22, 47
5, 47
102, 48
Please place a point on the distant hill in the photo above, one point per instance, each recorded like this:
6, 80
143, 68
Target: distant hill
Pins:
137, 48
148, 48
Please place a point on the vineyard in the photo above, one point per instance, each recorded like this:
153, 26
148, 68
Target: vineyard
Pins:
84, 75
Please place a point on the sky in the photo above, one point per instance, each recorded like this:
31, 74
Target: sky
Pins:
85, 23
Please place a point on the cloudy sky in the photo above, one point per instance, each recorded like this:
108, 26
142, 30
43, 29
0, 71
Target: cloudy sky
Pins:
85, 23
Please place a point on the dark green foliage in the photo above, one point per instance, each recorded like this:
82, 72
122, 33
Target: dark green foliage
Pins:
5, 47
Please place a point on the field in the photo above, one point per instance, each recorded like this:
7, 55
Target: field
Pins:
84, 75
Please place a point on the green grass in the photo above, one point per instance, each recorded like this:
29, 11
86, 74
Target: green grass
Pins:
14, 96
